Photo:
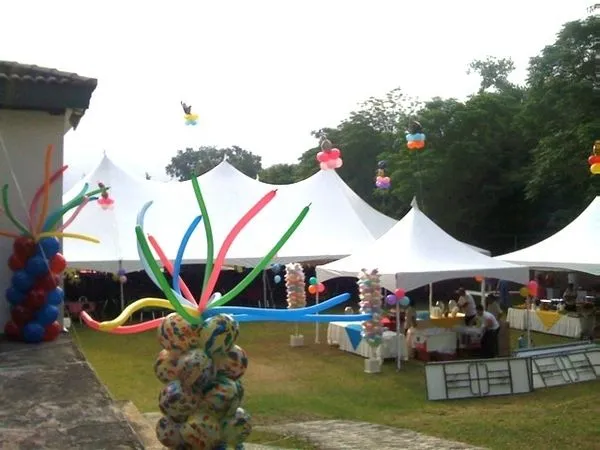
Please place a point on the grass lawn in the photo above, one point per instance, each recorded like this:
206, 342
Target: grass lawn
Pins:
285, 384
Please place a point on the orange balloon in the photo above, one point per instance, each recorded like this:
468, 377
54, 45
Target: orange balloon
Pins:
479, 278
595, 169
312, 289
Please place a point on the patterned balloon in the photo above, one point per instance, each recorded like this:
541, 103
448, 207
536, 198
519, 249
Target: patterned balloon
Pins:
168, 432
201, 431
219, 334
223, 396
175, 333
165, 366
196, 370
236, 429
233, 364
177, 403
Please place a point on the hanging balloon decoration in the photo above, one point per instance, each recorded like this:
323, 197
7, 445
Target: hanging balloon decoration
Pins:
314, 287
369, 290
189, 116
329, 157
381, 181
34, 294
415, 138
105, 201
594, 159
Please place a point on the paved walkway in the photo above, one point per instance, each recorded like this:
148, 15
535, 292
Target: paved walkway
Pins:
342, 435
50, 398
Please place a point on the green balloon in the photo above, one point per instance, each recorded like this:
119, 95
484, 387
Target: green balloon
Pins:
210, 245
313, 281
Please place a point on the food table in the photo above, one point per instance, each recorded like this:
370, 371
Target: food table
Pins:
347, 335
442, 322
549, 322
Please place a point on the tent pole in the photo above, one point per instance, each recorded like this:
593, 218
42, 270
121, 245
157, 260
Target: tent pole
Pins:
430, 297
398, 340
317, 340
483, 303
121, 287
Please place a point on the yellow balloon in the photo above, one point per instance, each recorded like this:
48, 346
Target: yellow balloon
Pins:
595, 169
136, 306
524, 291
82, 237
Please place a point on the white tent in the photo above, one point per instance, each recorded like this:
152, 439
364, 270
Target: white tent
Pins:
416, 252
338, 223
575, 247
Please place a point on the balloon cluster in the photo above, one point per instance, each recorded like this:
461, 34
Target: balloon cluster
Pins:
415, 138
122, 276
295, 284
397, 298
276, 268
314, 286
531, 290
189, 117
201, 368
329, 157
104, 201
34, 294
381, 181
369, 290
594, 159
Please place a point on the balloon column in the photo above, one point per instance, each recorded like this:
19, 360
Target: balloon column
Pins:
200, 363
295, 285
415, 138
594, 159
381, 181
34, 294
189, 116
369, 290
329, 157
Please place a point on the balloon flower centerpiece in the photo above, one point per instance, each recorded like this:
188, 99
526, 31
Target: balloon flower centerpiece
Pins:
200, 363
369, 290
295, 283
415, 138
594, 159
329, 157
34, 294
382, 181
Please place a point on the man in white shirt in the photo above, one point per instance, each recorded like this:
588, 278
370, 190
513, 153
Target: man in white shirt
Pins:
466, 303
489, 339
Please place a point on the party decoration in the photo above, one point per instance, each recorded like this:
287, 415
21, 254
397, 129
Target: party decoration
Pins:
105, 201
329, 157
381, 180
391, 299
415, 138
369, 290
532, 288
190, 118
404, 301
34, 294
295, 286
594, 159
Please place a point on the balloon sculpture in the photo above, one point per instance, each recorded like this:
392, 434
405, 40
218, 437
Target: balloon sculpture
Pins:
104, 201
594, 159
329, 157
415, 138
381, 181
200, 363
295, 285
190, 118
369, 290
35, 294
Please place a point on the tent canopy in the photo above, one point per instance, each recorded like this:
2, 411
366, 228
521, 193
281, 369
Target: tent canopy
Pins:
339, 222
575, 247
416, 252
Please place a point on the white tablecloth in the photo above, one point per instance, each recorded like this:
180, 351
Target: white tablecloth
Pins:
564, 326
337, 334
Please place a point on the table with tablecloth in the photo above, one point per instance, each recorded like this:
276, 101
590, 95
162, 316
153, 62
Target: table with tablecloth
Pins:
347, 335
549, 322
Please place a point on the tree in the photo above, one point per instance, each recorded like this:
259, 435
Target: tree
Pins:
189, 161
493, 71
279, 174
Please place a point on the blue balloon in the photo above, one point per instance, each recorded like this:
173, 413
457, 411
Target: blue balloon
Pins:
404, 301
47, 315
277, 279
55, 297
48, 247
33, 332
181, 251
22, 281
276, 268
419, 137
36, 266
14, 296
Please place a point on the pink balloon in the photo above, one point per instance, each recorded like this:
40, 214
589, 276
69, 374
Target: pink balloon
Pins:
399, 293
532, 286
335, 153
386, 180
379, 179
321, 157
337, 163
331, 163
324, 166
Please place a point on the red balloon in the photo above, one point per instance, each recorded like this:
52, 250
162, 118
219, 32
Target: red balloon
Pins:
12, 330
58, 263
320, 288
323, 156
35, 299
24, 248
21, 315
15, 263
335, 153
594, 159
47, 282
52, 331
399, 293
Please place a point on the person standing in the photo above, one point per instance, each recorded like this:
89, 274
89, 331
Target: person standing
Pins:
489, 338
466, 303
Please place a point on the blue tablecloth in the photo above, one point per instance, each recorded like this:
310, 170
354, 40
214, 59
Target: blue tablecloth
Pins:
354, 335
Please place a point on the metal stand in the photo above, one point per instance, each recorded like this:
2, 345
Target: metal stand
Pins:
398, 340
317, 327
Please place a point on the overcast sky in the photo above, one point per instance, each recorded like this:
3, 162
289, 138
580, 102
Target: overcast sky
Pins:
260, 73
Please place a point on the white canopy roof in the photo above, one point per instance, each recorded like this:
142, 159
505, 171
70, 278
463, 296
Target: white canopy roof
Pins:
416, 252
575, 247
339, 222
